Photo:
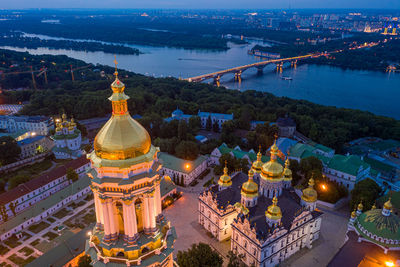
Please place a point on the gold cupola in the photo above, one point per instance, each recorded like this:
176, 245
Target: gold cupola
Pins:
121, 137
250, 188
309, 194
257, 165
272, 170
360, 206
353, 214
388, 205
287, 173
225, 180
274, 211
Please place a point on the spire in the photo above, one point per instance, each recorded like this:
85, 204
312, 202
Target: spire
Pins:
274, 150
226, 168
118, 98
274, 212
259, 155
360, 206
116, 66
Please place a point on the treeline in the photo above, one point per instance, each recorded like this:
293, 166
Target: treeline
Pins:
119, 30
371, 58
17, 40
158, 97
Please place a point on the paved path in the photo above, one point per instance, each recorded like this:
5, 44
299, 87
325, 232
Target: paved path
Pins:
26, 243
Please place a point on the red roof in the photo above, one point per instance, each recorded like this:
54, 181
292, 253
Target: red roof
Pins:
42, 180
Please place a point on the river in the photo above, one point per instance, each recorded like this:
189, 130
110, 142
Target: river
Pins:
365, 90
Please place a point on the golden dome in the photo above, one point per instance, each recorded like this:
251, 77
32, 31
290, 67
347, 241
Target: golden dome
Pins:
287, 173
225, 180
373, 207
272, 169
250, 188
257, 165
353, 214
310, 194
388, 205
121, 137
274, 212
360, 206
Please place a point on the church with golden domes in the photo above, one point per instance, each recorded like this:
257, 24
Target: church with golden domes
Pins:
130, 228
260, 212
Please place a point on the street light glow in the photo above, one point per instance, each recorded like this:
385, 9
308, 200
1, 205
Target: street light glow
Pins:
187, 166
389, 263
89, 233
323, 187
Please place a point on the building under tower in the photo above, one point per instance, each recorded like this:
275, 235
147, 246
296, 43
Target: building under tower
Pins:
130, 228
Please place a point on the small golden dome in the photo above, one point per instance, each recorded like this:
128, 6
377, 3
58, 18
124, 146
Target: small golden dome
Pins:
272, 169
287, 173
388, 205
121, 137
250, 188
225, 180
353, 214
64, 116
274, 212
373, 207
257, 165
360, 206
310, 194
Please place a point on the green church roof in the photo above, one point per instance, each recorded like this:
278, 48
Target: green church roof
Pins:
347, 164
173, 163
377, 224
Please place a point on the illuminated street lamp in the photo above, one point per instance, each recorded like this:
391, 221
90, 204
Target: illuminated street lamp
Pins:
389, 263
324, 187
187, 166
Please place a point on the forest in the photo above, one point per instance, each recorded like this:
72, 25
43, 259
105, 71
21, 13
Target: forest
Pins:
18, 40
156, 98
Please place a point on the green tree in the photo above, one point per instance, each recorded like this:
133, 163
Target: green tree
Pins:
72, 175
194, 124
12, 207
311, 165
9, 150
3, 213
366, 191
215, 127
182, 130
199, 255
85, 261
208, 123
82, 128
187, 150
235, 260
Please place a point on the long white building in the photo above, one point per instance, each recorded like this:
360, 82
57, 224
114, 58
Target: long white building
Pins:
40, 125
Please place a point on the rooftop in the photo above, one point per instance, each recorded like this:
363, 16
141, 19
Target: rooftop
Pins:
40, 181
186, 166
215, 115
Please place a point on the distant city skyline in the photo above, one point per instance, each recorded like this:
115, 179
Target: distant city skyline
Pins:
205, 4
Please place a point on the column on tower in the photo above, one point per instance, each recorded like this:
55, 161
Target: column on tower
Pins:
132, 223
157, 200
111, 217
152, 213
107, 226
146, 218
126, 217
99, 209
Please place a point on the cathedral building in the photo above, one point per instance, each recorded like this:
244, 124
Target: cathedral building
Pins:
130, 228
260, 213
67, 139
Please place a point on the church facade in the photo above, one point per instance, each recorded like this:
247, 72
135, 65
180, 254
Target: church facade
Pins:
260, 213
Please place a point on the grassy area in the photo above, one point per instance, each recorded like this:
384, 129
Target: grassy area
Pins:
17, 260
89, 218
26, 250
61, 214
3, 249
36, 228
76, 205
51, 219
12, 242
35, 242
51, 235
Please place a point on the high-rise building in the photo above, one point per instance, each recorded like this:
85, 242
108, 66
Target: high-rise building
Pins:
130, 228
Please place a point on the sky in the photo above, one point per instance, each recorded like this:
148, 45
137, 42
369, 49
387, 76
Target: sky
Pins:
195, 4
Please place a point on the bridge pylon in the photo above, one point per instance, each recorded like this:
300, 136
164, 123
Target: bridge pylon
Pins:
238, 76
260, 69
279, 67
217, 80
